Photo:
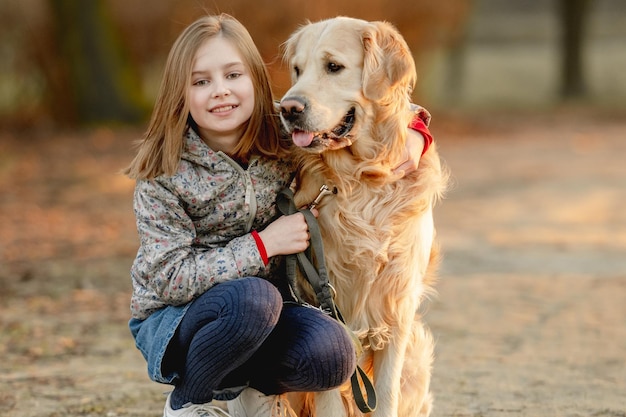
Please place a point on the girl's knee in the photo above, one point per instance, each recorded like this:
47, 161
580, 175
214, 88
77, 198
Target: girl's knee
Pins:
259, 298
337, 361
331, 358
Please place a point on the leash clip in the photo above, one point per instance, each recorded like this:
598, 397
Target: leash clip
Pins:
324, 190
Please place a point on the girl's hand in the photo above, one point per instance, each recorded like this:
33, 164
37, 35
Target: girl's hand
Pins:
286, 235
416, 143
413, 150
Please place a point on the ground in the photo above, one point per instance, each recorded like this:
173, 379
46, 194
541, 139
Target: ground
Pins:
529, 318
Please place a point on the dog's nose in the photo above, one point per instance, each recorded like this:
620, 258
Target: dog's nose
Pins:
291, 107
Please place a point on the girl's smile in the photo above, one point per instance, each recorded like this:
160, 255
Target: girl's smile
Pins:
222, 109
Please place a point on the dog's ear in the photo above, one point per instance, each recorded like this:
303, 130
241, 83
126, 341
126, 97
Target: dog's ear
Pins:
388, 62
288, 47
288, 51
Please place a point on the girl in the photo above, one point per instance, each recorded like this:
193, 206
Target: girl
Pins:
207, 310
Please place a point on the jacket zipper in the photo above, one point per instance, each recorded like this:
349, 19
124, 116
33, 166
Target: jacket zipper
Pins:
250, 197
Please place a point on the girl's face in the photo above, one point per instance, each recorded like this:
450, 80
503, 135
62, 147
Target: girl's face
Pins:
221, 94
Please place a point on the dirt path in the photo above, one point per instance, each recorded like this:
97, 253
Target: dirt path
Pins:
531, 315
530, 318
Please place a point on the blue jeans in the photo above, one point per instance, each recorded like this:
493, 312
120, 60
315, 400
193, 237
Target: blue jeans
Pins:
240, 333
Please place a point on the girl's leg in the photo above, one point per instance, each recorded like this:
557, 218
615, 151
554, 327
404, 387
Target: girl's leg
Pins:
307, 351
220, 331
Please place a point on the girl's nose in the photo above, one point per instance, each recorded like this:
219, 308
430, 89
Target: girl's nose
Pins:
220, 89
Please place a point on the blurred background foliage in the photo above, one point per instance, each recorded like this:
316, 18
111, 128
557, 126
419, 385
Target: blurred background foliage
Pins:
77, 62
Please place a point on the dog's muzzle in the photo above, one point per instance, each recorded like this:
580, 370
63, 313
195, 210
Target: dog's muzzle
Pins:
293, 116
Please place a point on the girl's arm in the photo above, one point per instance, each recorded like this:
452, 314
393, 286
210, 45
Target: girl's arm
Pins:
171, 263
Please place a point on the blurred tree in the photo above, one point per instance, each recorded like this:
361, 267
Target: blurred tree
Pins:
93, 61
573, 16
90, 77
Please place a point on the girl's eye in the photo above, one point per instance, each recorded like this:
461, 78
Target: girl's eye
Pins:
233, 75
201, 82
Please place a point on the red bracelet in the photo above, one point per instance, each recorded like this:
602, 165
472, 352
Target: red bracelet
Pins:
260, 246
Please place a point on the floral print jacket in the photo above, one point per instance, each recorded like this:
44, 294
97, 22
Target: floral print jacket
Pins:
195, 226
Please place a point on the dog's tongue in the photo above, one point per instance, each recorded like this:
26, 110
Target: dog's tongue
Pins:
301, 138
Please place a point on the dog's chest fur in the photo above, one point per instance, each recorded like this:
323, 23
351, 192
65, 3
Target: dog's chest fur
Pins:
365, 228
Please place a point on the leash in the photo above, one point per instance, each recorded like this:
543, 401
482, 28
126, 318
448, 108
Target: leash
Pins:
317, 276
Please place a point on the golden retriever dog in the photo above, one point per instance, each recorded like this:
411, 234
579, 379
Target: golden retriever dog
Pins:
347, 111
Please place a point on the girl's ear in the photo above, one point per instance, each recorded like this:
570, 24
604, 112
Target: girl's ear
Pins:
388, 62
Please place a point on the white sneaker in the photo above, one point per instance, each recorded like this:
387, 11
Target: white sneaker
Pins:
252, 403
193, 410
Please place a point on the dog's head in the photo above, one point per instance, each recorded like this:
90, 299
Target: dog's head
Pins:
343, 70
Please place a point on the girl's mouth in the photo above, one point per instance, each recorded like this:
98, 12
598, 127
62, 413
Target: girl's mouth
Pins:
223, 109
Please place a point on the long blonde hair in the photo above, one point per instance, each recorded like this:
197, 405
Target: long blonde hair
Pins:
160, 148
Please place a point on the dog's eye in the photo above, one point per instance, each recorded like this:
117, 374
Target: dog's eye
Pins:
297, 71
334, 67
